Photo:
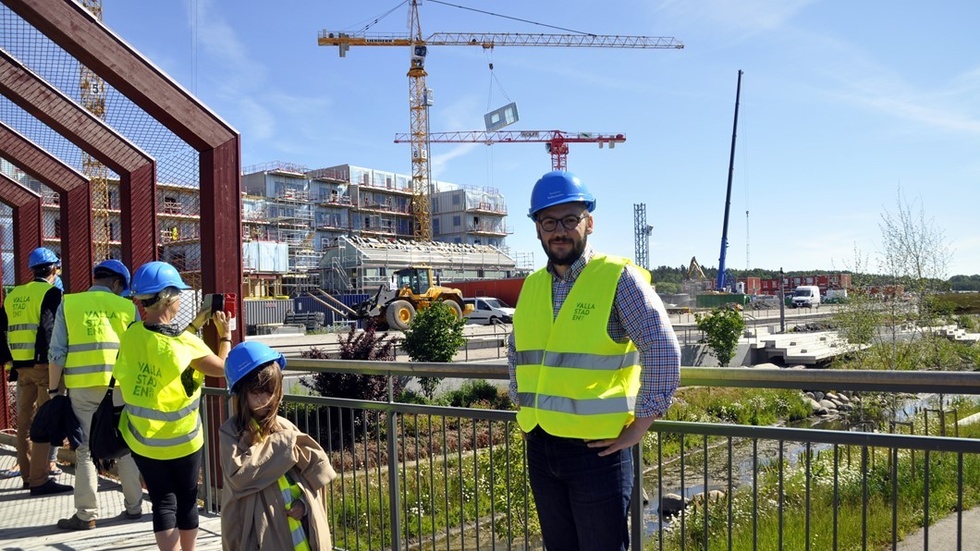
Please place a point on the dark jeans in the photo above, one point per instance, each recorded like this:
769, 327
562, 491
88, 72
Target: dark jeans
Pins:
582, 499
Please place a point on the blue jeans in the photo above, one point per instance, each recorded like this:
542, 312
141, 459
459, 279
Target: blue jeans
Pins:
582, 499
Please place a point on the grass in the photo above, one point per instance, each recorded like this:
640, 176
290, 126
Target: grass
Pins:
904, 487
852, 518
440, 496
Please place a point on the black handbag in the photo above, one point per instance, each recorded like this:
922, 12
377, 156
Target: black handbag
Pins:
105, 441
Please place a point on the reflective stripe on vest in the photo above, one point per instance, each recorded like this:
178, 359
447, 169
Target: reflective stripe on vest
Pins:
572, 379
95, 320
23, 307
160, 420
290, 492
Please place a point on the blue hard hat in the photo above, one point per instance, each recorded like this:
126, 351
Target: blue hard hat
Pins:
116, 267
41, 256
557, 187
246, 357
153, 277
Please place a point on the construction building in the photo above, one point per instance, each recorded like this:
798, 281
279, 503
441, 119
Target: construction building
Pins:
346, 227
341, 228
468, 215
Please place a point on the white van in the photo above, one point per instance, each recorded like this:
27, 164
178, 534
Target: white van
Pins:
806, 296
489, 310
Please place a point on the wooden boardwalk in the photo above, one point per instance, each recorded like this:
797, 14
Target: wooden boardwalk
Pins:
29, 523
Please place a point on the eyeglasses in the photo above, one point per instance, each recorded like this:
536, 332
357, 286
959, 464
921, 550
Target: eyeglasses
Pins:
570, 222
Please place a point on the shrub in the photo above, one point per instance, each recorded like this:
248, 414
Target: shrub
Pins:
479, 394
435, 335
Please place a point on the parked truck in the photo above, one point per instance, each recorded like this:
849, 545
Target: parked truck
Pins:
409, 290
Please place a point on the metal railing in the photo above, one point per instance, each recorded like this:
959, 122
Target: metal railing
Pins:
432, 477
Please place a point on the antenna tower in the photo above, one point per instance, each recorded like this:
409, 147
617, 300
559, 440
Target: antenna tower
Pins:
642, 233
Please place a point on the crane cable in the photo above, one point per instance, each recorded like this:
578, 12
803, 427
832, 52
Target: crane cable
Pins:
382, 16
493, 79
511, 18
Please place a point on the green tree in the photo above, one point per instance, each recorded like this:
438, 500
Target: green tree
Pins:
668, 287
435, 335
914, 256
722, 328
915, 253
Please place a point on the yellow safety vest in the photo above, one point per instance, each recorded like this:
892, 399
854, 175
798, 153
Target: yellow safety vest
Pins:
23, 307
572, 379
95, 320
160, 420
290, 492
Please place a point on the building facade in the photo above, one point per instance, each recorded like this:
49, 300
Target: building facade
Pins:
293, 217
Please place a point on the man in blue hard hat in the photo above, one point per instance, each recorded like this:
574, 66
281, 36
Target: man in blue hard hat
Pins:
26, 321
84, 345
593, 361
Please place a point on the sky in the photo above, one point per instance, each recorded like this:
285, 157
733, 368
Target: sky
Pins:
846, 109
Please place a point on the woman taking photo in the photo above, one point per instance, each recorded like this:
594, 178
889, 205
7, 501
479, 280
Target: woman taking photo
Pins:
160, 369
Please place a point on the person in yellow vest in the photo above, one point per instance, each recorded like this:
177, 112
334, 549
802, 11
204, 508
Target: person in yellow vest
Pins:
160, 370
274, 474
84, 345
26, 322
593, 361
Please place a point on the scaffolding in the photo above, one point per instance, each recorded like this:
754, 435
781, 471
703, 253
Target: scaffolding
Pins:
361, 264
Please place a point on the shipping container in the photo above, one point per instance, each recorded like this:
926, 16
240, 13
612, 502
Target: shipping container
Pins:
507, 289
264, 311
310, 304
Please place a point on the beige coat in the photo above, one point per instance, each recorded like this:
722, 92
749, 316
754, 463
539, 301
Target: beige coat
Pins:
253, 514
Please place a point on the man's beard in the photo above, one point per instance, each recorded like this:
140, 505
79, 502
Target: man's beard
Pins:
567, 257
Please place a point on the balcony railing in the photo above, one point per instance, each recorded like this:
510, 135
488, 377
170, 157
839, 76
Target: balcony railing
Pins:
432, 477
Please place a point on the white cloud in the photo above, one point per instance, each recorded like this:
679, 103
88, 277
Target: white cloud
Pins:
439, 162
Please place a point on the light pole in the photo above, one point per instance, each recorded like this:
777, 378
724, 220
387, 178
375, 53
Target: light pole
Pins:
782, 303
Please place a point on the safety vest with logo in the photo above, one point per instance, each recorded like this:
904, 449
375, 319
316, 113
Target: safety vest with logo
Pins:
572, 379
23, 307
95, 320
290, 493
160, 420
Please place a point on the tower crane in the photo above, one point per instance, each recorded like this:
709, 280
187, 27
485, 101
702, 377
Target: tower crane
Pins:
556, 141
418, 97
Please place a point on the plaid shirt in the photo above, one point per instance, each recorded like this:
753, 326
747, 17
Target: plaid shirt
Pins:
637, 315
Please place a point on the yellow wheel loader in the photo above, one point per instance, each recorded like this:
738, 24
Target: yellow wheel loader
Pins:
411, 289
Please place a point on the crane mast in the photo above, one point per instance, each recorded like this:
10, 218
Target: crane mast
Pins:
556, 140
93, 96
420, 101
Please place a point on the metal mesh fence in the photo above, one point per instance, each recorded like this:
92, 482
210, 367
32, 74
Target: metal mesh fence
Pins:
177, 195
